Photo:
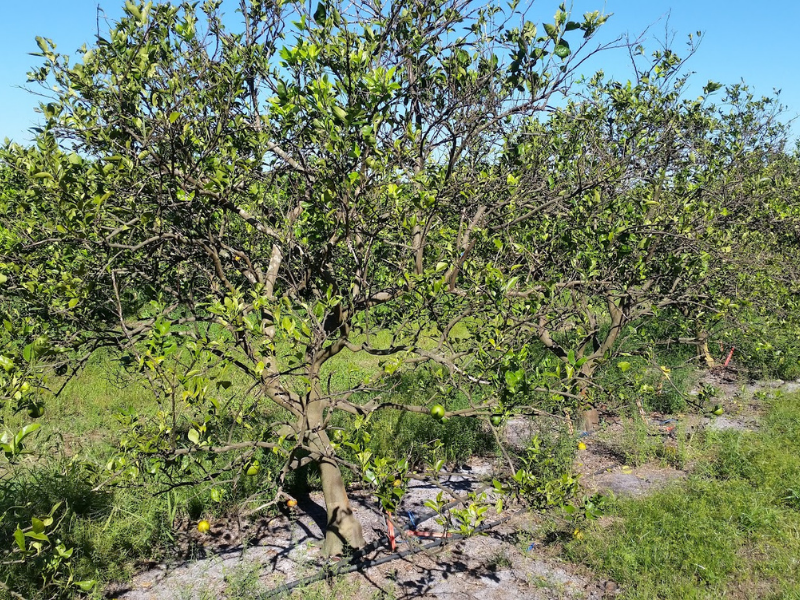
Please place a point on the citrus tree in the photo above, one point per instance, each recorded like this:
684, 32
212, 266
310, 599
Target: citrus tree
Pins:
649, 203
242, 216
245, 206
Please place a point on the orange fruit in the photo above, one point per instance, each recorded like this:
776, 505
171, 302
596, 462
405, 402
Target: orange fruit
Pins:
291, 503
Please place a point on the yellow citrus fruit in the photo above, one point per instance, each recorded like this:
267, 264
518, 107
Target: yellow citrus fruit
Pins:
203, 526
291, 503
577, 534
581, 446
397, 483
718, 410
253, 469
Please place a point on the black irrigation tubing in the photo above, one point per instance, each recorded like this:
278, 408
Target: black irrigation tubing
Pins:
415, 521
341, 569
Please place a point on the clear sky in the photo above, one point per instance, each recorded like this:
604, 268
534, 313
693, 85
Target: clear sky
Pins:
744, 39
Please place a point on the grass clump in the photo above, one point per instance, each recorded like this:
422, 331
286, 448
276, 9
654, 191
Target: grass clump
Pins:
732, 529
107, 532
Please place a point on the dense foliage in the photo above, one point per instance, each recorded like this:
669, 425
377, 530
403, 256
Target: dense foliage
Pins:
230, 214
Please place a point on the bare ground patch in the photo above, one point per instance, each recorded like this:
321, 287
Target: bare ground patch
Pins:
508, 562
513, 560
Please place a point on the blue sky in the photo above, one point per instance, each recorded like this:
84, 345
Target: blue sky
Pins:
744, 39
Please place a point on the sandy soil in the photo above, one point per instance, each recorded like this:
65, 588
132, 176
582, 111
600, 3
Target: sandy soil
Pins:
512, 561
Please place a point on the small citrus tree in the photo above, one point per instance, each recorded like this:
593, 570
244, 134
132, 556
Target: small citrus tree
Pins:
240, 214
262, 201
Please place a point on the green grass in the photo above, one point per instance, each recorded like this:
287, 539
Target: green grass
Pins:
734, 526
113, 530
731, 530
110, 530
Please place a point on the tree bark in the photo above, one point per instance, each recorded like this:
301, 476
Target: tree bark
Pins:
342, 526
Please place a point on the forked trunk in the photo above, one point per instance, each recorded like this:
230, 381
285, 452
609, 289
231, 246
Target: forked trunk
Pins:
588, 418
342, 527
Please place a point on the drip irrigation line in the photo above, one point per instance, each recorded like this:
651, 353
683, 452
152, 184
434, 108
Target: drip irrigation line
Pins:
416, 520
344, 567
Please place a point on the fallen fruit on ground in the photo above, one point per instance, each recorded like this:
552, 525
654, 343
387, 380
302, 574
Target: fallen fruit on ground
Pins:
203, 526
581, 446
718, 410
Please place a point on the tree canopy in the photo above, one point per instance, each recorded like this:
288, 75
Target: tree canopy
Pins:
427, 184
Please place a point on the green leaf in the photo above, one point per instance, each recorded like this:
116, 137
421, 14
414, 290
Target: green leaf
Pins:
572, 26
19, 537
194, 436
281, 89
173, 116
339, 113
320, 13
86, 585
3, 278
38, 526
551, 30
133, 9
27, 352
624, 366
27, 430
287, 324
162, 327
